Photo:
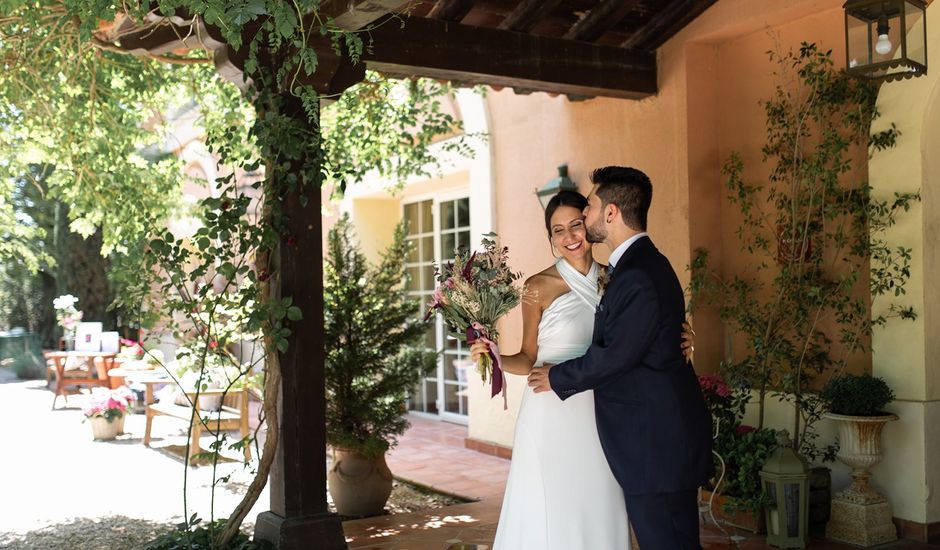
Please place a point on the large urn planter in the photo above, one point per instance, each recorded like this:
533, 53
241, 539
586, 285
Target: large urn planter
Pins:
860, 515
103, 430
360, 486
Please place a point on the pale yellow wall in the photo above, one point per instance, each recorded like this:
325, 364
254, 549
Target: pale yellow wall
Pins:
375, 221
906, 353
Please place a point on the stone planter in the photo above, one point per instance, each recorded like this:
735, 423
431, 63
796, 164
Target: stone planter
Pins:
359, 486
103, 430
860, 515
120, 423
754, 522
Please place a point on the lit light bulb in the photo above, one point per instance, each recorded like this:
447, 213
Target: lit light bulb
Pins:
883, 46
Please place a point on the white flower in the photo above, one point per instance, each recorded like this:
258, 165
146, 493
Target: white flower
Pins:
65, 301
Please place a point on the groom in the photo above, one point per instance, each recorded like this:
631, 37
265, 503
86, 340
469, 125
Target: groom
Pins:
651, 417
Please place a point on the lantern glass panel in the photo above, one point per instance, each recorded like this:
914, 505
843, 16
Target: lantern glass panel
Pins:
773, 526
858, 34
791, 492
915, 22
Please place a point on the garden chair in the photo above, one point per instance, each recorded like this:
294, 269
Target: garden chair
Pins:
75, 369
232, 416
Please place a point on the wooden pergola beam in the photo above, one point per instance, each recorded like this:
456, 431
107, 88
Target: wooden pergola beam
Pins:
666, 23
600, 19
527, 14
353, 15
451, 10
478, 55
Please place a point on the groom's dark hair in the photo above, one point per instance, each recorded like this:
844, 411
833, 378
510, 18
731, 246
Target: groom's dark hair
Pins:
627, 188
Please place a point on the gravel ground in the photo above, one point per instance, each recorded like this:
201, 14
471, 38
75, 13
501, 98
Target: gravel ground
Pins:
120, 532
61, 490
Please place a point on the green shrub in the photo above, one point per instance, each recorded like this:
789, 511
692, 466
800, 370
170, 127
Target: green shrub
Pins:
854, 395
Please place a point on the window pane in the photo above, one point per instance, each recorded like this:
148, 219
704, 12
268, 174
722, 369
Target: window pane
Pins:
428, 282
463, 240
427, 221
430, 337
455, 399
411, 217
447, 246
416, 401
447, 215
463, 212
427, 249
430, 386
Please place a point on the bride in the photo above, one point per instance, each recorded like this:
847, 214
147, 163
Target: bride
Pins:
561, 494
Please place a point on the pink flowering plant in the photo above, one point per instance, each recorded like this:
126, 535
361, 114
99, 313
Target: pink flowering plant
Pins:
741, 449
131, 349
109, 404
475, 291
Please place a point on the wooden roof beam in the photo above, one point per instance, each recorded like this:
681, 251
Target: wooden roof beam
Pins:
527, 14
601, 19
477, 55
666, 23
451, 10
353, 15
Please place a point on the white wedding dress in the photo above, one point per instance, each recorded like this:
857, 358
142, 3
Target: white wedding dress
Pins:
561, 494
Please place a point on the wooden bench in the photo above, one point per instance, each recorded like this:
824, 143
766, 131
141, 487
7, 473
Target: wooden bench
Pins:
232, 416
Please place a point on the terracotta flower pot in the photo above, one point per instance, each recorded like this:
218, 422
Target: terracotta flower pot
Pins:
103, 430
359, 486
754, 522
860, 449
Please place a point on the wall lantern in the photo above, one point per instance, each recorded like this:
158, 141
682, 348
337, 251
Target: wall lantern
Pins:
560, 183
785, 476
886, 40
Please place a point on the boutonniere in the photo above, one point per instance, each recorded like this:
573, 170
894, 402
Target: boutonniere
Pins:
603, 277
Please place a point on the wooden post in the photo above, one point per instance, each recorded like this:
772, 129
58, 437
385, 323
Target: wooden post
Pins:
299, 518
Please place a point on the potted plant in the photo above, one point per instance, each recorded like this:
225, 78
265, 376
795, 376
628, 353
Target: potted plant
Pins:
374, 359
735, 496
106, 411
857, 404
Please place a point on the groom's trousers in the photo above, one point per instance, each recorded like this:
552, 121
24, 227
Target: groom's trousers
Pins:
665, 521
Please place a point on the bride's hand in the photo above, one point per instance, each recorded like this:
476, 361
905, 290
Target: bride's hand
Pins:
478, 349
688, 341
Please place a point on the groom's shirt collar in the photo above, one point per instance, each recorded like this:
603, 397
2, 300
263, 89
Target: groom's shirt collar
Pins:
622, 249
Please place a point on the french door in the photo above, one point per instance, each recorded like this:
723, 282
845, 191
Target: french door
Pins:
438, 226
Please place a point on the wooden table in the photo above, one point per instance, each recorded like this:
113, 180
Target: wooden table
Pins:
93, 373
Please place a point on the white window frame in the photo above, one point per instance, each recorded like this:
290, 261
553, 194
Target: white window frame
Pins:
441, 333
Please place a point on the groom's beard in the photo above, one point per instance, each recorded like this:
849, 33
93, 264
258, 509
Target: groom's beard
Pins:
596, 233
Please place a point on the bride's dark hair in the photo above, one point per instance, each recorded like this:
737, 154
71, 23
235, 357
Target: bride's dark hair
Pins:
563, 198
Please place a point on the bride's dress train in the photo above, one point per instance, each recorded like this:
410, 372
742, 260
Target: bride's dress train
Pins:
561, 494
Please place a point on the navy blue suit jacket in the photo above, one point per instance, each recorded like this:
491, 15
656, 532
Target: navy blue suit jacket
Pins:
651, 416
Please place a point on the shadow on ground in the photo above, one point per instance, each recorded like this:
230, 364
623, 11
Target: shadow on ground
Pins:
105, 533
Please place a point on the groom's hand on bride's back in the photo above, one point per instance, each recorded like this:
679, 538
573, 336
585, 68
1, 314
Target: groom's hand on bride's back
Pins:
538, 379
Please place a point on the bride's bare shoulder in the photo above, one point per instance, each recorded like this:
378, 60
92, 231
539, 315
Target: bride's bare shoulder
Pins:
546, 285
